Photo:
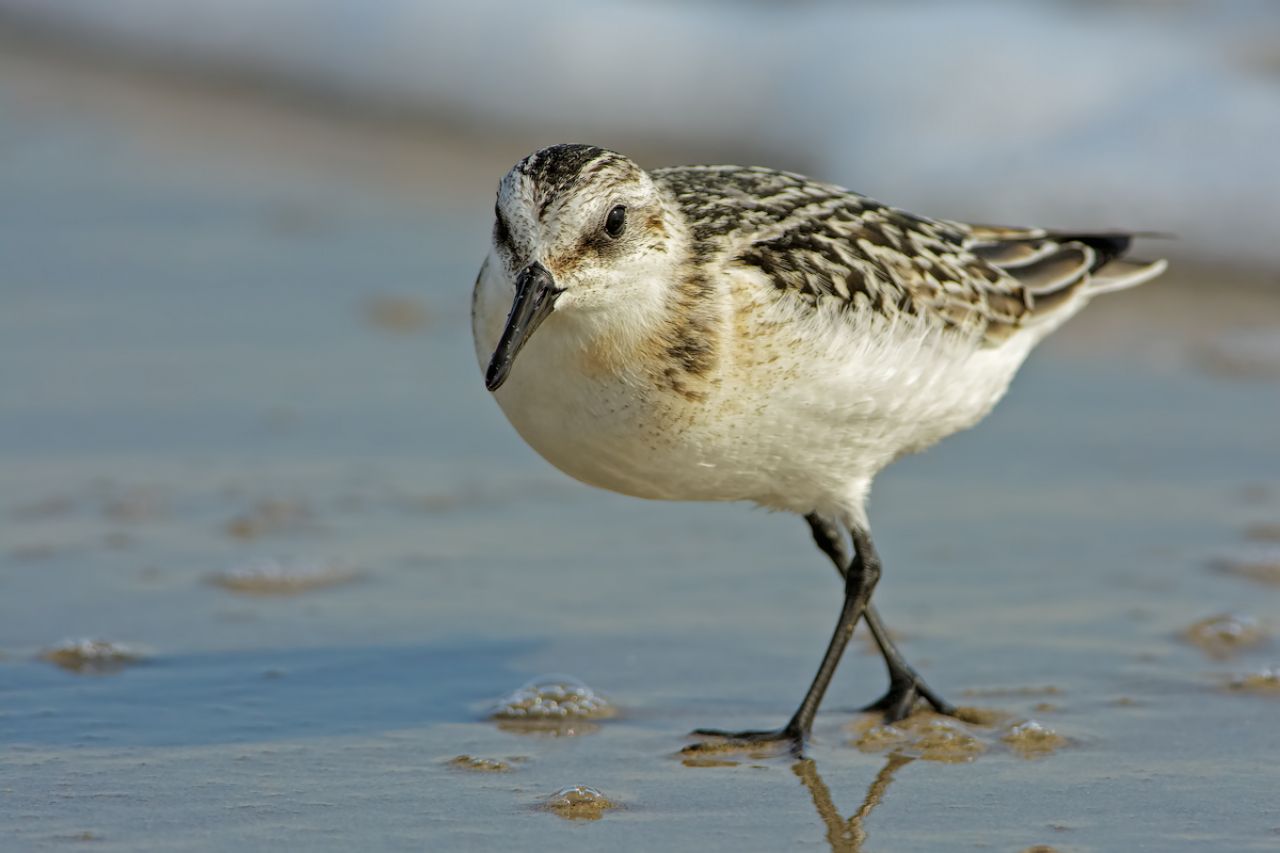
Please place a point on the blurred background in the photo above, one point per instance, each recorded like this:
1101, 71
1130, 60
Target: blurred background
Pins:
1157, 112
242, 430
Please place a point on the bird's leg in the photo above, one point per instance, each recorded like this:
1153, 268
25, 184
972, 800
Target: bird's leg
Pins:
860, 580
905, 684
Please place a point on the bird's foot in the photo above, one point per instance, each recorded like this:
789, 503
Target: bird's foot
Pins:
903, 695
788, 738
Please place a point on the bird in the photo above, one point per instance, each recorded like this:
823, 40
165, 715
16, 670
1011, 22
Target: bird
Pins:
729, 333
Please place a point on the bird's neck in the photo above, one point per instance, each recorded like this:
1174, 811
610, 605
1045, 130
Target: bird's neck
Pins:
664, 332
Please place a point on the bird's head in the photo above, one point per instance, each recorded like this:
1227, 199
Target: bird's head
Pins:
577, 229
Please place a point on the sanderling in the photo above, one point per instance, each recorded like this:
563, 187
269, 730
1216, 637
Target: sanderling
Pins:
720, 333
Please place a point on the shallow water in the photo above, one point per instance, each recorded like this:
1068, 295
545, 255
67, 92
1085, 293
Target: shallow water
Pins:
195, 382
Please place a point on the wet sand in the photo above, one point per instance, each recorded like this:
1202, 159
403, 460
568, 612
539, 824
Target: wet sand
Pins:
197, 388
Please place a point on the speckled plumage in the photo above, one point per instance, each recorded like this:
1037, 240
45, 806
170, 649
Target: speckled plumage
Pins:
783, 338
723, 333
820, 241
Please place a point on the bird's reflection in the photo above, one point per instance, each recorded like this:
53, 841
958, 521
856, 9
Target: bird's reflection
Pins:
847, 835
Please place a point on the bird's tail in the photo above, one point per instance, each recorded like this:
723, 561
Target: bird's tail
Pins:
1123, 273
1055, 265
1110, 269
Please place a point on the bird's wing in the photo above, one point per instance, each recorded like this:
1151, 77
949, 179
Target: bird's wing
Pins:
820, 242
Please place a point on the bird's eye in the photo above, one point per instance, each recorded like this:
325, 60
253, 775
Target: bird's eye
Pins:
615, 221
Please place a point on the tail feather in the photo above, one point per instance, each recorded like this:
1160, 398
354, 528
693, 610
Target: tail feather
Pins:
1044, 273
1106, 245
1123, 273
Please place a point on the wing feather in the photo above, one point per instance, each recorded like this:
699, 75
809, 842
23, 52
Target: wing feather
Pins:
820, 242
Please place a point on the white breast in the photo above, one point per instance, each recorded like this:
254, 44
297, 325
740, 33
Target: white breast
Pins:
599, 428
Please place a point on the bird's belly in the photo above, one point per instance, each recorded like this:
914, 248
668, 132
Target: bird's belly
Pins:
793, 447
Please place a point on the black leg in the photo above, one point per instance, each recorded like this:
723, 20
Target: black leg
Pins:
828, 536
860, 580
906, 686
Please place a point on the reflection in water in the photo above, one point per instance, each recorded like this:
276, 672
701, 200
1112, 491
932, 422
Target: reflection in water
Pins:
847, 836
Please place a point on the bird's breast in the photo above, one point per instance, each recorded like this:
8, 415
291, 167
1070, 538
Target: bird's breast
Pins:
584, 403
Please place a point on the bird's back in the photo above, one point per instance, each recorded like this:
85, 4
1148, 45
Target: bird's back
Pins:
819, 242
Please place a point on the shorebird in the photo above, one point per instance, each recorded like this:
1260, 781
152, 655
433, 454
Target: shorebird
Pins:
723, 333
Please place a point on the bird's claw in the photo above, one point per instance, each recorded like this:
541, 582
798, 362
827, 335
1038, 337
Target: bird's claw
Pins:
791, 739
903, 695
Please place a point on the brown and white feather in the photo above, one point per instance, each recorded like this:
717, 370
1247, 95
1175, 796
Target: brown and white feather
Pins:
819, 242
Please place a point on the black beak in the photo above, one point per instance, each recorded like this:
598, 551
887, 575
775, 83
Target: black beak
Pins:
535, 297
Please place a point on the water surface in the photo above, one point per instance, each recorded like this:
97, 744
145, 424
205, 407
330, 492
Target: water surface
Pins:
194, 381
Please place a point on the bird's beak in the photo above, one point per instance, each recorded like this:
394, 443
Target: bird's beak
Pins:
536, 294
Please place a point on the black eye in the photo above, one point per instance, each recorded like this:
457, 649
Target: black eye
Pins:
615, 221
